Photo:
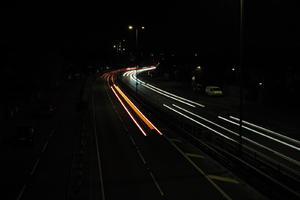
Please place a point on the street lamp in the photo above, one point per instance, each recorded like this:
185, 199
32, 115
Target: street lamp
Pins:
136, 28
241, 67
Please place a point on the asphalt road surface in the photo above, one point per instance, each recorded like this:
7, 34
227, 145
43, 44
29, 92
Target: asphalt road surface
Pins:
278, 146
131, 165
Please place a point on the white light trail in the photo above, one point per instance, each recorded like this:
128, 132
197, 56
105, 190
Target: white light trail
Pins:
174, 95
244, 138
217, 132
269, 137
267, 130
205, 120
160, 91
168, 93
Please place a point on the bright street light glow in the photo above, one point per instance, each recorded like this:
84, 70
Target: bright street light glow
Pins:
143, 27
130, 27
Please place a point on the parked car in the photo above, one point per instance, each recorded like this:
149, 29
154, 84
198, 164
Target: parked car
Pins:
213, 91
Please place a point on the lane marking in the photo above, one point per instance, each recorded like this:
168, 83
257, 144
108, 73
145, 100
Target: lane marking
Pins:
45, 146
224, 194
176, 140
21, 192
141, 156
35, 166
132, 140
97, 149
223, 179
156, 184
194, 155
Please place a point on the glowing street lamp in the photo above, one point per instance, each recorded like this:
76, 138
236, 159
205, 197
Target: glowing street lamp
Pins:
137, 28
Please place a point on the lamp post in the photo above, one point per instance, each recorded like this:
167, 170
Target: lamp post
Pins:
136, 28
241, 62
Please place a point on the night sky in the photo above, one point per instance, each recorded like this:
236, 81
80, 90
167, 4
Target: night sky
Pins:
203, 26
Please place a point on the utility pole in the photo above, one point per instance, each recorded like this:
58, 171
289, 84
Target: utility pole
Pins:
241, 61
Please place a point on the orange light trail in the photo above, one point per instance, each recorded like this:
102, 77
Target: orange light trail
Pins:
129, 112
137, 111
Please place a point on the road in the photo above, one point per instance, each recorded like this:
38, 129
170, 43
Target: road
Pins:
156, 166
270, 146
118, 149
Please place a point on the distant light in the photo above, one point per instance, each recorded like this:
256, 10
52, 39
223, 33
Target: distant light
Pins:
130, 27
123, 49
260, 83
233, 69
199, 68
124, 40
143, 27
114, 46
196, 54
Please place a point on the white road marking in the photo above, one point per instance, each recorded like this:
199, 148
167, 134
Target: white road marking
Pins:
156, 184
45, 147
21, 192
35, 166
224, 194
97, 148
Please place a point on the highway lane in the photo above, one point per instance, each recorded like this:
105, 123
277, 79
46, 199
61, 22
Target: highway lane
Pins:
282, 149
124, 175
284, 144
172, 169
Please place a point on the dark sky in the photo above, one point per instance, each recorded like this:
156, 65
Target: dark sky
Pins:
206, 25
